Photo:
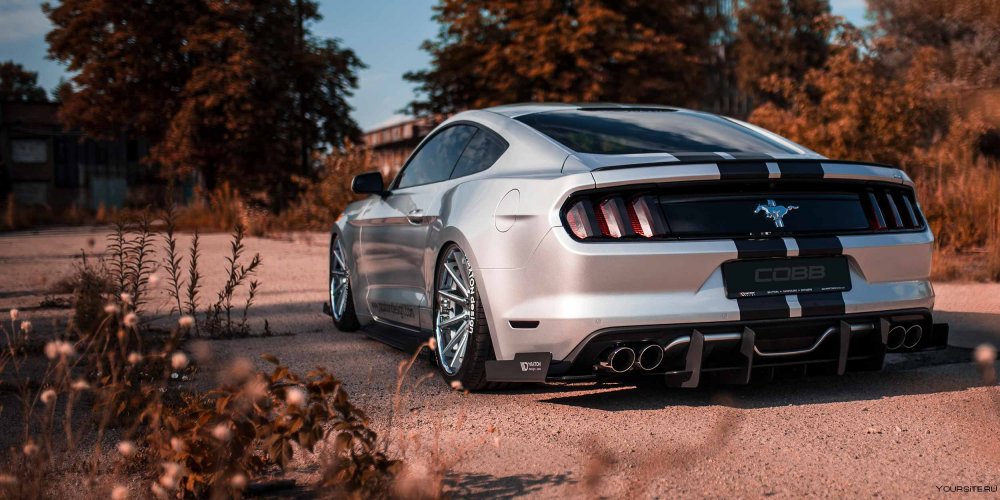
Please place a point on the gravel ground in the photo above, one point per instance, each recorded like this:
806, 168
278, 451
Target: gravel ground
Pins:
920, 427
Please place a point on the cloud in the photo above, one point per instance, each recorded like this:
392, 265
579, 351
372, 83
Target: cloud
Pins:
20, 19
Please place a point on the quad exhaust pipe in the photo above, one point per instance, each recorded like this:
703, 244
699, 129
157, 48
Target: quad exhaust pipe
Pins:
650, 357
904, 337
622, 359
618, 360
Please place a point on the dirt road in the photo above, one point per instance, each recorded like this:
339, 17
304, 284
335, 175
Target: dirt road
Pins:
923, 426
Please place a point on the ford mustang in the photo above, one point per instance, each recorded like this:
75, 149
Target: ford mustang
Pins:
557, 242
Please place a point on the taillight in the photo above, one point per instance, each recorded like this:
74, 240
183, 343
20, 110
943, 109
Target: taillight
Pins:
616, 217
580, 219
891, 209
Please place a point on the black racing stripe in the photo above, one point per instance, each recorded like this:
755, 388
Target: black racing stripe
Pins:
800, 170
821, 304
812, 247
708, 157
743, 170
753, 308
761, 249
746, 155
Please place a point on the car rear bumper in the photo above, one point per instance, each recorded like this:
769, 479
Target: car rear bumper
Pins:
569, 292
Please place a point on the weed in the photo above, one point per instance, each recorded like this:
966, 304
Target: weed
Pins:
172, 260
220, 315
193, 283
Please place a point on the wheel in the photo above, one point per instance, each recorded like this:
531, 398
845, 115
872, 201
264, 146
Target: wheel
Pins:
460, 329
341, 296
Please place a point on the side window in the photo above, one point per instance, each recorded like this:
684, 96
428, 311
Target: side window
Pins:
436, 159
481, 153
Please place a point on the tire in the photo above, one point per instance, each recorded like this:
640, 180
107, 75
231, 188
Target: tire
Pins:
345, 317
470, 370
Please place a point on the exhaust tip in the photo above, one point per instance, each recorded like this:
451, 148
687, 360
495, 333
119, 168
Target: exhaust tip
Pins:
650, 357
897, 335
619, 360
913, 335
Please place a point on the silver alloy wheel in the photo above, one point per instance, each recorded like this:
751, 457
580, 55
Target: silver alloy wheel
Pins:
454, 313
338, 282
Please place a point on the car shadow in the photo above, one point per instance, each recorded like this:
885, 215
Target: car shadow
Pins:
490, 486
932, 372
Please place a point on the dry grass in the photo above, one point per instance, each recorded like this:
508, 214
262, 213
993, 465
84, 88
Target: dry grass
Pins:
108, 389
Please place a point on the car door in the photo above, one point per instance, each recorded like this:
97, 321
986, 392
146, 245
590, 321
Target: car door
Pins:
397, 225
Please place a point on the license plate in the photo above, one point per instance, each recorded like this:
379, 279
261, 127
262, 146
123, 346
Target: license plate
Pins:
765, 277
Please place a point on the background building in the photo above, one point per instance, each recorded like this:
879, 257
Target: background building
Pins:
41, 163
393, 141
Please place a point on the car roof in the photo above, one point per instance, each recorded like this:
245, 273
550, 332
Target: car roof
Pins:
527, 108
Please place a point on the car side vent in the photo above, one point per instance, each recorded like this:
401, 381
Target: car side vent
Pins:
889, 209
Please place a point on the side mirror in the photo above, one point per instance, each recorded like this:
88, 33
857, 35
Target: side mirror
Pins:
368, 183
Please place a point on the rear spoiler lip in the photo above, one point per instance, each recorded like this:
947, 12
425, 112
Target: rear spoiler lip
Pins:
762, 159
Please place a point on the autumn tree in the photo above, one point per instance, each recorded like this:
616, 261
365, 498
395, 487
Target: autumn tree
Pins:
963, 34
785, 38
853, 107
493, 52
19, 84
238, 91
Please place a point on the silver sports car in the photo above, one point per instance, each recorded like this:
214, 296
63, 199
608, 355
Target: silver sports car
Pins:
555, 242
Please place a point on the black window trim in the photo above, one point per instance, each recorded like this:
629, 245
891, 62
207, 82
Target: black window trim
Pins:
477, 126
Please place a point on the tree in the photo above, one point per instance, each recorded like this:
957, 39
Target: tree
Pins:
493, 52
965, 35
62, 91
853, 107
19, 84
786, 38
234, 90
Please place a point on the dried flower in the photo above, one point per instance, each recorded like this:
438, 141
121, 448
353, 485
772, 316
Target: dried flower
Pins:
119, 492
134, 358
26, 327
178, 361
126, 448
985, 354
48, 396
131, 319
169, 479
178, 445
186, 321
51, 349
126, 298
80, 385
238, 481
13, 314
153, 280
432, 344
66, 349
456, 385
30, 449
221, 432
295, 397
158, 491
111, 308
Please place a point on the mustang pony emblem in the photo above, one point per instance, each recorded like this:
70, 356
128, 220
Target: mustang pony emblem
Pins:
775, 212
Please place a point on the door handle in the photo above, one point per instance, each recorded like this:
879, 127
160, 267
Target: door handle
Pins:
415, 216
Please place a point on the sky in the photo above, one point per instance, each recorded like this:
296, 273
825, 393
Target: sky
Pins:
386, 35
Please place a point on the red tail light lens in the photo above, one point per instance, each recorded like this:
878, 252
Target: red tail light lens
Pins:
580, 222
615, 217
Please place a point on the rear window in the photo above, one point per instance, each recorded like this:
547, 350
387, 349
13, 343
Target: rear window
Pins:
619, 131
